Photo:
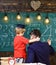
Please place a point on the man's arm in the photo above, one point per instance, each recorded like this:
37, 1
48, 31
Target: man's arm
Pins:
52, 52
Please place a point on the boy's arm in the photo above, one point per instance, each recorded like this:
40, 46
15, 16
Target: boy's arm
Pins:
33, 40
27, 41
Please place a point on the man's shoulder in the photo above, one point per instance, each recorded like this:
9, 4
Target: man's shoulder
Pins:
38, 43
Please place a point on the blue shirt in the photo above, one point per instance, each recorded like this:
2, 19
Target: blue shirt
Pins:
38, 52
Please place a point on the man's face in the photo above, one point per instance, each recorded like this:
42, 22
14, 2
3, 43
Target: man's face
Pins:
32, 36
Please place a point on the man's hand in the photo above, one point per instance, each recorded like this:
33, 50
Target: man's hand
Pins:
49, 41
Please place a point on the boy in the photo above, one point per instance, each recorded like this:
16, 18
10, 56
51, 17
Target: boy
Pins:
20, 43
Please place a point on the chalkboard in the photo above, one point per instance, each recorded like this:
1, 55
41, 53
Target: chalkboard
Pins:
7, 29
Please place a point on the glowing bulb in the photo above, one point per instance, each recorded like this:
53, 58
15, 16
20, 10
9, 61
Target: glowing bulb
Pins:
27, 20
18, 17
39, 17
47, 21
6, 18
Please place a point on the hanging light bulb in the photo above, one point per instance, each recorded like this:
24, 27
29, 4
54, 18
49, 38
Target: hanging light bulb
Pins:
47, 19
39, 16
27, 19
18, 16
5, 17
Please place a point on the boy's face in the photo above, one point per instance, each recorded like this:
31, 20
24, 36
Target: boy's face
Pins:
19, 31
32, 36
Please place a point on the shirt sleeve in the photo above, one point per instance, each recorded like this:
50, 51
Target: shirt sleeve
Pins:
25, 40
52, 52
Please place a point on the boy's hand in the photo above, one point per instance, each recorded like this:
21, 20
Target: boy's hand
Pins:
49, 41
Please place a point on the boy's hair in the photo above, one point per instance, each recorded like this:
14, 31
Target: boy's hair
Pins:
36, 32
19, 30
20, 26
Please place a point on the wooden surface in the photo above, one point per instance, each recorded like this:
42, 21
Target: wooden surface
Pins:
4, 61
24, 5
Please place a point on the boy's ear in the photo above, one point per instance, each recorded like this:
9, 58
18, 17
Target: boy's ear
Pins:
24, 30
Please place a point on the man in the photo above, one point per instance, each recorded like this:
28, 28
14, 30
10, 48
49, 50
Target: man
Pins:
39, 51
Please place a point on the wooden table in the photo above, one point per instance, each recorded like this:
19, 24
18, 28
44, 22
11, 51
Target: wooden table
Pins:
4, 61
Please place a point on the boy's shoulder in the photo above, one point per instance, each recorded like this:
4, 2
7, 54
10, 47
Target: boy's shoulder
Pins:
17, 37
23, 37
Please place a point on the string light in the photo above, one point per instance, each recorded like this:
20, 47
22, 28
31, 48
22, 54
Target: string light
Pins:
39, 16
18, 16
27, 19
5, 17
47, 19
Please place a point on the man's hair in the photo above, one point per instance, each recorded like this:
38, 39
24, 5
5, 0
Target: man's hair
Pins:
36, 32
